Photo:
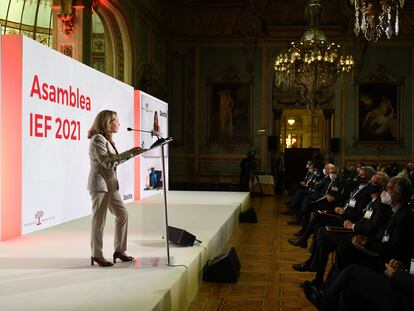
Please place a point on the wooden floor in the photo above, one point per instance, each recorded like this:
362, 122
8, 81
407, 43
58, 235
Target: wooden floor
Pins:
267, 280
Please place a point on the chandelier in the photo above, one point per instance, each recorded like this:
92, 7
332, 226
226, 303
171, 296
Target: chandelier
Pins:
313, 64
374, 17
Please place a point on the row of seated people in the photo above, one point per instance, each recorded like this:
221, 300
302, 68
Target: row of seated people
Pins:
350, 171
367, 227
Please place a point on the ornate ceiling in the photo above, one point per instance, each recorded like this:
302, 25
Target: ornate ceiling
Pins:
263, 19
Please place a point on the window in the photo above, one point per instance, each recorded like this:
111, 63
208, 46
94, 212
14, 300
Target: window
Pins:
32, 18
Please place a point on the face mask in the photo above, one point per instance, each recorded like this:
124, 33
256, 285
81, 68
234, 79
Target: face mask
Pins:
386, 198
324, 172
332, 176
362, 180
373, 188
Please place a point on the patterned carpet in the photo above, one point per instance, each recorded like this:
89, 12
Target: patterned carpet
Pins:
267, 281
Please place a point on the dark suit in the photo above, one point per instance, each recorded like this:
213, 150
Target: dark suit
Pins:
400, 231
360, 288
370, 227
398, 228
319, 202
326, 242
353, 212
362, 198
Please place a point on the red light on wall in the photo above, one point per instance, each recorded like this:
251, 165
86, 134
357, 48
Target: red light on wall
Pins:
67, 24
11, 165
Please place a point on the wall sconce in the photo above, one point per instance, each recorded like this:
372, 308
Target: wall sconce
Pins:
291, 121
67, 24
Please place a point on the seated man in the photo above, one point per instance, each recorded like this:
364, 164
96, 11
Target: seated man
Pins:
394, 240
326, 242
325, 200
312, 185
360, 288
352, 211
302, 184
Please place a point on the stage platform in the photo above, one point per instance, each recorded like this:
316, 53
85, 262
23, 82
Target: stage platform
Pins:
50, 269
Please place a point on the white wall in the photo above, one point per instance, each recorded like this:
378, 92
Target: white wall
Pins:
55, 163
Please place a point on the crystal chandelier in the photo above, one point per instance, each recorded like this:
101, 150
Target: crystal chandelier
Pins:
374, 17
312, 64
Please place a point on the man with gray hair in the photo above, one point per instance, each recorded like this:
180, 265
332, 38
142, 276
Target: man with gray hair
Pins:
375, 215
394, 240
351, 211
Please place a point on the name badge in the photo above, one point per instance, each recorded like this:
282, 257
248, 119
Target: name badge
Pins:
352, 203
334, 189
368, 214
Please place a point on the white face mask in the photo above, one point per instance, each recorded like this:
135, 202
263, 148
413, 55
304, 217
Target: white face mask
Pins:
385, 198
332, 177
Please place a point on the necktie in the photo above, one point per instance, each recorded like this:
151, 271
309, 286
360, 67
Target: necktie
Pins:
367, 207
329, 187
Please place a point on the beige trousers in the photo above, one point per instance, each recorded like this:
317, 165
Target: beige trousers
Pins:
101, 202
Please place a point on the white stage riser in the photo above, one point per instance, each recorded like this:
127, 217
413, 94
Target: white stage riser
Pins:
49, 269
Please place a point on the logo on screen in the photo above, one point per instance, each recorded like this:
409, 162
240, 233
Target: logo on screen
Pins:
127, 196
38, 217
146, 107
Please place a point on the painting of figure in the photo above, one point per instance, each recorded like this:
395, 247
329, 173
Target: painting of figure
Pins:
226, 113
229, 115
378, 111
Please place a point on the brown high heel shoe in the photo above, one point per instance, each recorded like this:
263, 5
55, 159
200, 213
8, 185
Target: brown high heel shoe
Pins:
102, 262
122, 256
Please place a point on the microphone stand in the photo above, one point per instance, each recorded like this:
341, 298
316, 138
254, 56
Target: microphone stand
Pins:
165, 205
164, 141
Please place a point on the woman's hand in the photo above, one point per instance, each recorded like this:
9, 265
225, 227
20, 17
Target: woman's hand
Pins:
136, 151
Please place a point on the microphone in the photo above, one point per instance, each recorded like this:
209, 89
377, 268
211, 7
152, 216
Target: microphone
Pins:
129, 129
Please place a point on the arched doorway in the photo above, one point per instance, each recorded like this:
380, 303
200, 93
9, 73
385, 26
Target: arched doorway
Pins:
111, 44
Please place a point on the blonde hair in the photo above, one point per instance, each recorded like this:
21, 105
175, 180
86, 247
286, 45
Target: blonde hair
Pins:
101, 124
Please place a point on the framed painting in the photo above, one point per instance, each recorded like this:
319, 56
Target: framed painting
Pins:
230, 98
379, 122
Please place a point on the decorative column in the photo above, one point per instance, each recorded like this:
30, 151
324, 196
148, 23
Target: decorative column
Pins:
277, 114
328, 128
72, 36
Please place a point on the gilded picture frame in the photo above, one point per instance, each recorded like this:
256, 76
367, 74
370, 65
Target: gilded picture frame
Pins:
378, 111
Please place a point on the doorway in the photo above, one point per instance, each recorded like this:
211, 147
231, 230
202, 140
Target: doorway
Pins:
302, 129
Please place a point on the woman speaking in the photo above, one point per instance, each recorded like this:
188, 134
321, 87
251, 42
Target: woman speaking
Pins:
104, 188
